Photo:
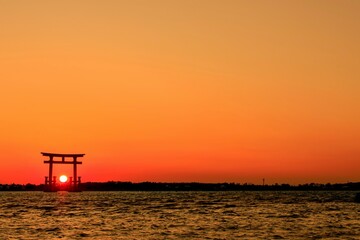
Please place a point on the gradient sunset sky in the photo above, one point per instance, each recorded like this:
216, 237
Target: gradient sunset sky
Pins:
180, 91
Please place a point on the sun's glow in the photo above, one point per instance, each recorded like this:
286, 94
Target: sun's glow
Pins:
63, 178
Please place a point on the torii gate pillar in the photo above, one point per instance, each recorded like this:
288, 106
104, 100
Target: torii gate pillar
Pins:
50, 181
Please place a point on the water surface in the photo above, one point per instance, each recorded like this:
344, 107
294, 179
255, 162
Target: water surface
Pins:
179, 215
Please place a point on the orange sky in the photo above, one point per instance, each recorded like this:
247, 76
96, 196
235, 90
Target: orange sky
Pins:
204, 90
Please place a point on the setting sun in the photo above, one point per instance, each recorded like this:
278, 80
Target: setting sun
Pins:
63, 178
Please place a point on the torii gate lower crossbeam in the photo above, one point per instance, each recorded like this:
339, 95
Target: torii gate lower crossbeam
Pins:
50, 181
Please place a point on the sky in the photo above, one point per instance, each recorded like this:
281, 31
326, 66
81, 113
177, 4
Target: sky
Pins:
181, 91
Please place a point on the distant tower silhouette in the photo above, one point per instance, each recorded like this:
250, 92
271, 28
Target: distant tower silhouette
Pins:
263, 181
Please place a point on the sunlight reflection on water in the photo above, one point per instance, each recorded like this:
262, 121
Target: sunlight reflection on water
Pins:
179, 215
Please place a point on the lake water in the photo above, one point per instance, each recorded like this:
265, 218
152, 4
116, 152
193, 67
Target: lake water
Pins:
179, 215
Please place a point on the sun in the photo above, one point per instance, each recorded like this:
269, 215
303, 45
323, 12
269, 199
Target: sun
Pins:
63, 178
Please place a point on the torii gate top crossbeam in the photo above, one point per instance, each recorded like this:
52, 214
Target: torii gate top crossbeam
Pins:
62, 155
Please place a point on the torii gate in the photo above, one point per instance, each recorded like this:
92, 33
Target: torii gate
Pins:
50, 181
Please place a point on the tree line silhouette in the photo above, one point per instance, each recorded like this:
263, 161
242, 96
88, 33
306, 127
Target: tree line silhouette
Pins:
192, 186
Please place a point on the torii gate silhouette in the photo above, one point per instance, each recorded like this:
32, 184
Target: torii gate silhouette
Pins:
50, 181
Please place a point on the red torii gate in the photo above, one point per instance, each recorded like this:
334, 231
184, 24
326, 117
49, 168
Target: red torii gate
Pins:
50, 181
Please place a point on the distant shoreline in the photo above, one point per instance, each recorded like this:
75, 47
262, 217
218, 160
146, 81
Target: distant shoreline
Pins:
191, 186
